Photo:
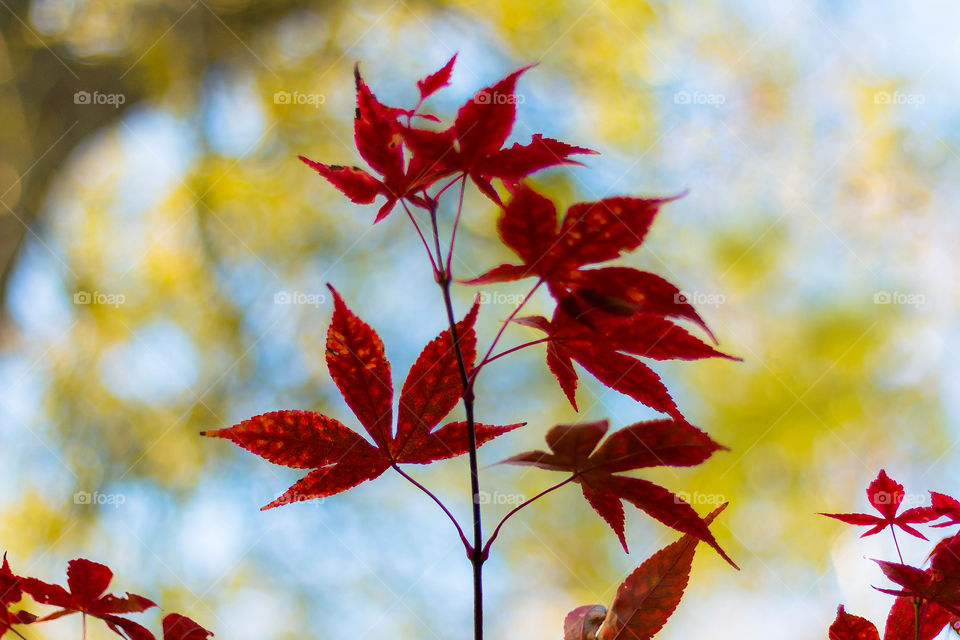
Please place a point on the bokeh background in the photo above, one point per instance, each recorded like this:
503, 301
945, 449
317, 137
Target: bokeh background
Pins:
153, 214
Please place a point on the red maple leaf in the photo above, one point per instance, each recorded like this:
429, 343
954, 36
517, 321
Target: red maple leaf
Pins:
609, 348
87, 583
650, 595
939, 584
340, 457
641, 445
886, 495
10, 594
947, 507
589, 233
178, 627
902, 620
850, 627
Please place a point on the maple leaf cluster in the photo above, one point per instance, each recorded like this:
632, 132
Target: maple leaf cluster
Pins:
927, 599
86, 594
607, 318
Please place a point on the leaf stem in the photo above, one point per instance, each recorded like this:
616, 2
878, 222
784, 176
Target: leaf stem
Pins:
463, 538
503, 327
456, 222
487, 361
433, 263
476, 557
896, 544
496, 532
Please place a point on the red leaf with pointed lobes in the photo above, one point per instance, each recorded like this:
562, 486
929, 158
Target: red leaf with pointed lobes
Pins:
939, 584
901, 622
355, 183
360, 369
11, 593
436, 80
452, 440
88, 582
851, 627
650, 595
886, 495
434, 387
377, 135
178, 627
485, 121
947, 507
341, 458
599, 349
517, 162
573, 449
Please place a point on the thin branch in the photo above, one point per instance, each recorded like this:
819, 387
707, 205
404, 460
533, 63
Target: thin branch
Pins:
456, 221
433, 263
513, 314
487, 361
463, 538
496, 532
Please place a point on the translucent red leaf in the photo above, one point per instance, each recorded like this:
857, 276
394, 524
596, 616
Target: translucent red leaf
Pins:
178, 627
434, 386
452, 440
573, 449
328, 481
297, 439
655, 443
886, 495
649, 596
355, 183
851, 627
519, 161
87, 582
359, 367
485, 121
901, 622
946, 507
528, 225
376, 133
436, 80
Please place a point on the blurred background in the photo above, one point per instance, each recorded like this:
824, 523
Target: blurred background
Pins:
164, 257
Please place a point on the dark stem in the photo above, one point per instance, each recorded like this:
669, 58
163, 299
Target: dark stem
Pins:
496, 532
476, 557
896, 544
433, 263
463, 538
